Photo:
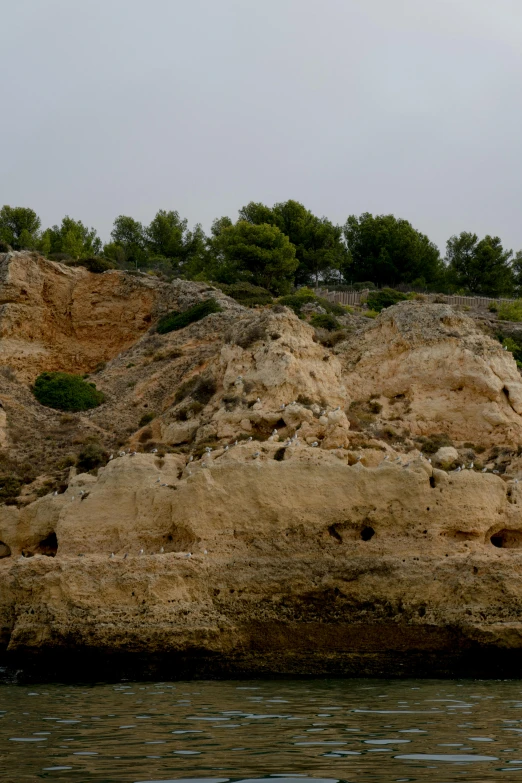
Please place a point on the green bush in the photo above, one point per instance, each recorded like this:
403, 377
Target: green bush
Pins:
10, 487
325, 321
386, 297
371, 313
91, 456
510, 311
174, 321
96, 264
247, 294
66, 392
493, 307
146, 418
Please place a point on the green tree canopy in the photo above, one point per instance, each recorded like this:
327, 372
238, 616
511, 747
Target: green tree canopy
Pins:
19, 227
388, 250
73, 238
318, 243
479, 266
260, 254
129, 241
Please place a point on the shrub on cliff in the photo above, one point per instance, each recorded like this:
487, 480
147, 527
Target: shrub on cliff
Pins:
247, 294
66, 392
307, 296
174, 321
386, 297
325, 321
510, 311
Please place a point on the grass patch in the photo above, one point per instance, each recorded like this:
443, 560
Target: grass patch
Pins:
174, 321
66, 392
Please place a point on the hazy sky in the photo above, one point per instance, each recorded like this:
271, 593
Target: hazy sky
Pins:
127, 106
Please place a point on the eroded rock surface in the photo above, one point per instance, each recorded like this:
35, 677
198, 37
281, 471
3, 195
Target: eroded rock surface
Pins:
271, 504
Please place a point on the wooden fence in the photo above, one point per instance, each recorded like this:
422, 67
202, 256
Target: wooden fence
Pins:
356, 297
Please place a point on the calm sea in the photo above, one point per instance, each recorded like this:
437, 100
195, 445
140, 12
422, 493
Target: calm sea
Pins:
291, 731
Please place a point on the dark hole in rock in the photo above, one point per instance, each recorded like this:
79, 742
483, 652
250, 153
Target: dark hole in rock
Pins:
475, 570
180, 540
507, 539
280, 424
422, 611
334, 534
505, 391
432, 482
49, 546
280, 455
336, 591
367, 533
5, 550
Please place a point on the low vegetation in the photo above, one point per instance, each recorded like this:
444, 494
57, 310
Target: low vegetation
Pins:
510, 311
174, 321
386, 297
247, 294
66, 392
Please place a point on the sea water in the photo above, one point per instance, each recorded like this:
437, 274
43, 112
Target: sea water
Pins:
289, 731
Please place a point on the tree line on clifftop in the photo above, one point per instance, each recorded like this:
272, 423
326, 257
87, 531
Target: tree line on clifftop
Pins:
277, 248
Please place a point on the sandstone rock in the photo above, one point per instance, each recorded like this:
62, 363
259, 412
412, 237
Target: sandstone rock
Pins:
445, 457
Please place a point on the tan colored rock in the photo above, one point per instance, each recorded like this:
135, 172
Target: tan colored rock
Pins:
445, 457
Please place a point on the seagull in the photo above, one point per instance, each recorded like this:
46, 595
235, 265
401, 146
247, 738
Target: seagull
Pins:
337, 409
314, 444
158, 481
121, 454
226, 448
429, 460
191, 458
471, 464
235, 443
132, 454
359, 458
239, 378
484, 470
81, 492
203, 464
386, 457
188, 554
255, 454
112, 556
323, 413
258, 399
55, 493
111, 457
283, 406
205, 552
162, 550
208, 449
274, 433
141, 551
505, 347
249, 439
154, 451
496, 471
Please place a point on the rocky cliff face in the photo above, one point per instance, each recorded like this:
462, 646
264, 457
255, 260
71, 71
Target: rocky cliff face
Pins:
289, 508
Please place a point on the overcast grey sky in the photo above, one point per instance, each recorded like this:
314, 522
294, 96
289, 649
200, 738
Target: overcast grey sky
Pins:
127, 106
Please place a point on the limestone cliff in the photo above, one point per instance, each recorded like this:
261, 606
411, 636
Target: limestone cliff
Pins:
288, 507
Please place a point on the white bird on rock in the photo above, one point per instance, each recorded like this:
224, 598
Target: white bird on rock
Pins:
154, 451
283, 406
258, 399
484, 470
162, 550
141, 551
226, 448
112, 556
111, 457
255, 454
359, 458
249, 439
208, 449
274, 433
191, 458
315, 444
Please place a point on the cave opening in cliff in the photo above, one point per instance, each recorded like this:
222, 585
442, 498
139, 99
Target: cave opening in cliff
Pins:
507, 539
367, 533
5, 550
48, 546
